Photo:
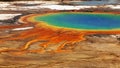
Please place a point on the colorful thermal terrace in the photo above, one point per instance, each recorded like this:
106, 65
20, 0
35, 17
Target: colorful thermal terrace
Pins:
67, 27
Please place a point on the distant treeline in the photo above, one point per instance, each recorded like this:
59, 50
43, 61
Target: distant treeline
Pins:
50, 0
28, 0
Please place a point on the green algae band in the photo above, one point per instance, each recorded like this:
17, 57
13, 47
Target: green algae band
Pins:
83, 21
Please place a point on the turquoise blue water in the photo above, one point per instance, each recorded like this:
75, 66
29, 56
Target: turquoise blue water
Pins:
85, 21
90, 3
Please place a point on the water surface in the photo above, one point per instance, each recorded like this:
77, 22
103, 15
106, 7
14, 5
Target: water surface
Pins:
84, 21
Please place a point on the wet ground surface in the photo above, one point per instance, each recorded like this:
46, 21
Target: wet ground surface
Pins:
97, 51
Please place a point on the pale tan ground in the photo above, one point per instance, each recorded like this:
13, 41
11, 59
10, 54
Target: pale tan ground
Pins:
97, 51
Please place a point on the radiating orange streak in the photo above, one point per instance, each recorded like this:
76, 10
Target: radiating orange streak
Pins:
48, 34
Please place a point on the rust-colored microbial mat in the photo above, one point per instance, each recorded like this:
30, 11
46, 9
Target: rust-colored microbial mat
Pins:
60, 28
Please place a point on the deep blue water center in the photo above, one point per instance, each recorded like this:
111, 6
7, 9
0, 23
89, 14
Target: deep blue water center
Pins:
83, 21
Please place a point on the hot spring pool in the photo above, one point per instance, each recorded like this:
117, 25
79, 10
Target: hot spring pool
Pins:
62, 39
83, 21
